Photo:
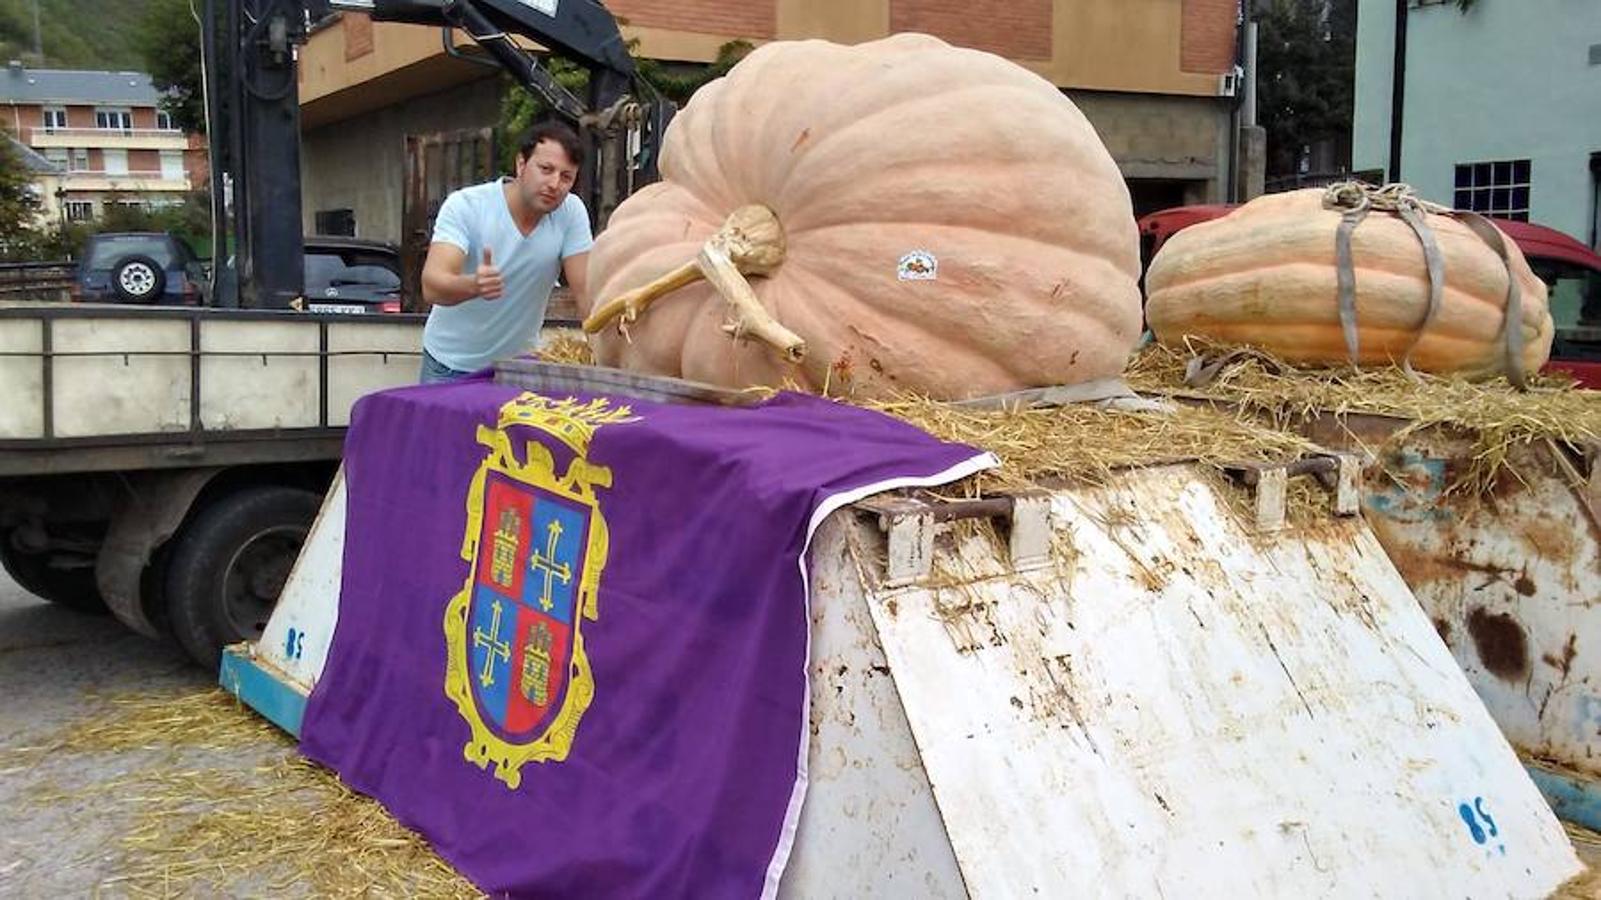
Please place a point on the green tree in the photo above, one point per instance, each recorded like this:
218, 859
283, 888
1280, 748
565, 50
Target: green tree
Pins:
19, 205
74, 34
520, 108
168, 39
1306, 60
677, 84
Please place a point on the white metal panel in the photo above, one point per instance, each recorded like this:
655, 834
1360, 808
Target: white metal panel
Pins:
22, 378
137, 381
1177, 707
1513, 584
368, 354
1189, 709
296, 639
273, 384
869, 826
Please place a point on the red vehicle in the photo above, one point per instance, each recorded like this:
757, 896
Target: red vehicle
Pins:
1570, 270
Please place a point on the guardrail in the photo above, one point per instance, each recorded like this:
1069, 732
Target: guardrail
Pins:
111, 132
37, 280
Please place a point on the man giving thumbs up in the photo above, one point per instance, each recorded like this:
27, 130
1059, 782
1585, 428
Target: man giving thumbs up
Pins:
496, 251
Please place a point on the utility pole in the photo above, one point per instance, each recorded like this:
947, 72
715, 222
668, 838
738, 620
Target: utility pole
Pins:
1398, 90
38, 35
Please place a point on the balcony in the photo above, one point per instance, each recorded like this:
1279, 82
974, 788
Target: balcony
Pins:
125, 183
113, 138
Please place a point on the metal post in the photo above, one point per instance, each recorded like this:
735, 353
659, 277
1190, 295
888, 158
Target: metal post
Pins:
1248, 113
266, 155
1398, 90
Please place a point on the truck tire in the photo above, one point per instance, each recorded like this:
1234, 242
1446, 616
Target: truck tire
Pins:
229, 564
72, 588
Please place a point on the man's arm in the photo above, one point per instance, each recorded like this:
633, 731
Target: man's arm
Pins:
575, 271
443, 283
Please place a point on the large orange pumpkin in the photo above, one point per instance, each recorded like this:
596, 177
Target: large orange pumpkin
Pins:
907, 215
1266, 275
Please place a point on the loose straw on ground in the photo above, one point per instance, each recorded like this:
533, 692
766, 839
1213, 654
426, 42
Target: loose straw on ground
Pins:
288, 823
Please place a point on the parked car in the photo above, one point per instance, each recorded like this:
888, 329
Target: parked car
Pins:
346, 275
1570, 270
343, 275
138, 267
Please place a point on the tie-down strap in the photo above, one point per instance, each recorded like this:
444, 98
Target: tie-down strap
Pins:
1354, 200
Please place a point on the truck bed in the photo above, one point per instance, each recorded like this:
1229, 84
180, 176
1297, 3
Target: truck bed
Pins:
97, 387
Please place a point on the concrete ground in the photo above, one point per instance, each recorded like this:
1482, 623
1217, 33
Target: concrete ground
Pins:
61, 818
65, 809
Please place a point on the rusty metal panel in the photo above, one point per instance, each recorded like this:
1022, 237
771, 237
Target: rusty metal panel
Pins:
869, 826
1184, 707
1512, 583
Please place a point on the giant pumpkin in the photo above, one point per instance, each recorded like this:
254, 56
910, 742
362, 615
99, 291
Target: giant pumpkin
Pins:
900, 214
1268, 275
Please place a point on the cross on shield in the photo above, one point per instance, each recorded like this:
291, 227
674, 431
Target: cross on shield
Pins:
524, 621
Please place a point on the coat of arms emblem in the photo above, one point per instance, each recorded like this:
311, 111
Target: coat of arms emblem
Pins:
536, 544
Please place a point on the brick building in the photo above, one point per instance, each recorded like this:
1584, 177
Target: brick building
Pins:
106, 135
1156, 77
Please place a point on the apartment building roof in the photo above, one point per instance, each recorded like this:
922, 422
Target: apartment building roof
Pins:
19, 84
32, 159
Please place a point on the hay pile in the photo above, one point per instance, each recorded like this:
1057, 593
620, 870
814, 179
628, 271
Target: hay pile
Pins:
1086, 444
566, 347
1499, 418
1066, 445
1587, 884
285, 824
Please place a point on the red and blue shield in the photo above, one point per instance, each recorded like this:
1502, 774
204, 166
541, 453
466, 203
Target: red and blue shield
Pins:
523, 620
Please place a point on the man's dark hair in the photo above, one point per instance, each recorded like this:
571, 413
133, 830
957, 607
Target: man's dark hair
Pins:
552, 131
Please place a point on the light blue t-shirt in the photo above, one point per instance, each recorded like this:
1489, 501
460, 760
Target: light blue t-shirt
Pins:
474, 333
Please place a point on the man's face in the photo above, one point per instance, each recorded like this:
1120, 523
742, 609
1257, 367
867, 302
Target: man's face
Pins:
545, 177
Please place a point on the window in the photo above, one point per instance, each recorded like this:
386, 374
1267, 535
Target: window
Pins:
172, 165
55, 117
57, 156
349, 268
115, 119
80, 210
164, 120
79, 159
336, 221
116, 161
106, 250
1494, 188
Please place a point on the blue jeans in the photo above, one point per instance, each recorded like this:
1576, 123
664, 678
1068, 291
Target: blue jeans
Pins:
436, 372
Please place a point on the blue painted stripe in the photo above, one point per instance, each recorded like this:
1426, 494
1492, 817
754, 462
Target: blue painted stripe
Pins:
262, 690
1573, 797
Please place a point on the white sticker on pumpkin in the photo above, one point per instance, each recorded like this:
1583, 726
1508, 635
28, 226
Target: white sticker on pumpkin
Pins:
918, 265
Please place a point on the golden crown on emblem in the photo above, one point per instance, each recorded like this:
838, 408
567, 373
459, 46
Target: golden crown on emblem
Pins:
568, 420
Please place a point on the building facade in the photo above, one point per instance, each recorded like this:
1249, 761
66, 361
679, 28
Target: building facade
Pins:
1500, 106
106, 134
1155, 77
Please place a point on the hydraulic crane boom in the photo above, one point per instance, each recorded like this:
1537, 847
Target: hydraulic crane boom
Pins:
249, 51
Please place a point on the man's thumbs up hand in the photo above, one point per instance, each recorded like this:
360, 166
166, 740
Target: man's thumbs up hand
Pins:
487, 278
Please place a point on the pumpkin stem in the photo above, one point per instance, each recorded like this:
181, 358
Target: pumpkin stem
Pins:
751, 242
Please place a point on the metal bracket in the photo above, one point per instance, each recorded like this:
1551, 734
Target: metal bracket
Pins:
1340, 473
911, 526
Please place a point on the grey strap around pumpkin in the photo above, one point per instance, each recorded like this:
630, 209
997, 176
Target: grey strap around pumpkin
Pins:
1512, 327
1356, 199
1412, 215
1345, 273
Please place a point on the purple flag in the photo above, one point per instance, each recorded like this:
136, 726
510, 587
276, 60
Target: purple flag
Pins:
573, 636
